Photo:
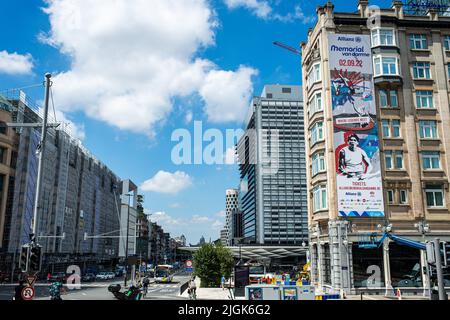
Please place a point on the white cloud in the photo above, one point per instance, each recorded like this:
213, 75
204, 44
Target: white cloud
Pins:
200, 219
221, 214
218, 225
166, 182
130, 59
227, 94
263, 9
74, 129
260, 8
188, 117
175, 205
164, 219
15, 64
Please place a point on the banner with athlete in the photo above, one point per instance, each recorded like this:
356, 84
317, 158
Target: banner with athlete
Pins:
356, 144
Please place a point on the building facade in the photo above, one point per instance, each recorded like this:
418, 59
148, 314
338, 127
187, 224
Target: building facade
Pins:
409, 60
231, 201
272, 167
77, 197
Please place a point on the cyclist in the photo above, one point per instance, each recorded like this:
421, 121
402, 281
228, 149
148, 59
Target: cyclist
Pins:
55, 290
192, 288
145, 283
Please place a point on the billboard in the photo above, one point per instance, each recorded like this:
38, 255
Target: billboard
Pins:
356, 144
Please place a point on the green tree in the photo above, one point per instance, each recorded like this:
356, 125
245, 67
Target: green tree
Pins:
211, 262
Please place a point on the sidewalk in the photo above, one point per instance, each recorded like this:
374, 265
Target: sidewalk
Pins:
210, 293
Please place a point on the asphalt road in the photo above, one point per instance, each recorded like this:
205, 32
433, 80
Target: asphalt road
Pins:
99, 290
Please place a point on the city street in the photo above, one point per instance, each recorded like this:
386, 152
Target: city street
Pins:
99, 290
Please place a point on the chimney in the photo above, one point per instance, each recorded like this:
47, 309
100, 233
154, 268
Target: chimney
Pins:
363, 8
397, 5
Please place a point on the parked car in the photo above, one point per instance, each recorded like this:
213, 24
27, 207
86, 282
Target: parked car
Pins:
102, 276
58, 276
88, 277
4, 277
111, 275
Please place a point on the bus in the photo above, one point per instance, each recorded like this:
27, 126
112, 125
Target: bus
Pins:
163, 273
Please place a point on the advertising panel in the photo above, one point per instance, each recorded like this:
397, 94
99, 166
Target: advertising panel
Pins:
356, 144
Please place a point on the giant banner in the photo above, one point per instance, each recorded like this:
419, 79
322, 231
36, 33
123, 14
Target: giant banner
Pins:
356, 144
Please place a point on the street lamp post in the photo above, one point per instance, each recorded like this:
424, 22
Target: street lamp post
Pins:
126, 243
423, 227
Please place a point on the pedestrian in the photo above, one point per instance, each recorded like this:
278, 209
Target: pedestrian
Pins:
49, 277
222, 281
18, 290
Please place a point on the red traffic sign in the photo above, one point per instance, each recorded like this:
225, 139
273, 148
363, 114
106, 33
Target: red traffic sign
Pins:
30, 280
27, 293
188, 264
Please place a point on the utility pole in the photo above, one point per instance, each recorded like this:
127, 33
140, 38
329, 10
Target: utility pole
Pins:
440, 276
41, 151
126, 243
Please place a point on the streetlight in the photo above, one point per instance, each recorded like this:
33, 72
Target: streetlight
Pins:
126, 243
423, 227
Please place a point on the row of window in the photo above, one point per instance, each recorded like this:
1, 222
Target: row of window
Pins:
389, 129
434, 195
386, 37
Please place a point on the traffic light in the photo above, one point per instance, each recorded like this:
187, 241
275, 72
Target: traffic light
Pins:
24, 254
35, 258
446, 249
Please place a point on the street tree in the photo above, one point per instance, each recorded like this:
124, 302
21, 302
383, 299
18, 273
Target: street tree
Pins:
211, 262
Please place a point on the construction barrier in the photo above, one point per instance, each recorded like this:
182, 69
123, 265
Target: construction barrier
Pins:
328, 297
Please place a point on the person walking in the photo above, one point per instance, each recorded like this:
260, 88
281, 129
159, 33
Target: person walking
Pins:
222, 282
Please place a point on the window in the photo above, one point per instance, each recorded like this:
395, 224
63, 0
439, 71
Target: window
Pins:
316, 103
386, 128
383, 98
314, 74
318, 163
421, 70
383, 37
435, 196
430, 160
388, 98
424, 99
388, 160
393, 159
428, 129
447, 42
385, 65
286, 90
394, 99
3, 128
317, 133
395, 128
403, 196
418, 41
390, 128
3, 152
390, 196
319, 198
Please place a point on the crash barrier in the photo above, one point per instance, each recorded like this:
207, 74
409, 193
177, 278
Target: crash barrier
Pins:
328, 297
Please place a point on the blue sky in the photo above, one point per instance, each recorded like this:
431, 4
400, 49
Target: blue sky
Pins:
126, 76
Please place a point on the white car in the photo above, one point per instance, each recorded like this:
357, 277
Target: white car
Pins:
102, 276
111, 275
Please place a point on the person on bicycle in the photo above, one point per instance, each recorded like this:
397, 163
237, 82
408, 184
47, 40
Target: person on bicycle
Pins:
145, 283
192, 288
55, 290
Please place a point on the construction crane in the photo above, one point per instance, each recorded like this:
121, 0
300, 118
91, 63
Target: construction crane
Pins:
285, 46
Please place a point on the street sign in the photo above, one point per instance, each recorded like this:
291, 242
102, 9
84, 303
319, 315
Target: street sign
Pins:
189, 269
188, 264
30, 280
27, 293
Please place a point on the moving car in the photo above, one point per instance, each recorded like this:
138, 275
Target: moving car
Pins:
102, 276
88, 277
58, 277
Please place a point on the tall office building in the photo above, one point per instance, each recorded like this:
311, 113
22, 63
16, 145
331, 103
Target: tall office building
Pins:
376, 86
128, 218
231, 202
78, 200
271, 155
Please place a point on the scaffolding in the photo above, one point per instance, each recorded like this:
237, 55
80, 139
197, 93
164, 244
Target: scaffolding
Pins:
421, 7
